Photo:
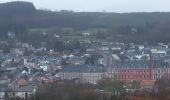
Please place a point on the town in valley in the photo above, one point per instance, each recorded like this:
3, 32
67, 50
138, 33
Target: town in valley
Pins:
68, 55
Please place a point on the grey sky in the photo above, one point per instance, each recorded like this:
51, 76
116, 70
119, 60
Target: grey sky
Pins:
101, 5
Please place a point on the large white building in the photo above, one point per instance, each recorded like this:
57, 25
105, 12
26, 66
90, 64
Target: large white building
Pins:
84, 73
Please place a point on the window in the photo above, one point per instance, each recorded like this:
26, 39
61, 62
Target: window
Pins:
6, 95
13, 94
115, 76
158, 71
26, 95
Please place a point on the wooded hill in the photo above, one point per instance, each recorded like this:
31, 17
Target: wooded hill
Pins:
19, 17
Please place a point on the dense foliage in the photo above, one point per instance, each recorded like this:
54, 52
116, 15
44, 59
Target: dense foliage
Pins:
66, 91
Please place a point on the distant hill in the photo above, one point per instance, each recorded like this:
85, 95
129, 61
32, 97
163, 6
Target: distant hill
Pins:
20, 16
15, 15
18, 7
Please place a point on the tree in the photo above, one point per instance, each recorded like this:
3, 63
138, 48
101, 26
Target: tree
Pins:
163, 86
92, 59
66, 91
6, 49
117, 87
135, 84
58, 46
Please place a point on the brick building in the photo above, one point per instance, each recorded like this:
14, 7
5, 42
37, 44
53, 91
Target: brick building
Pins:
138, 70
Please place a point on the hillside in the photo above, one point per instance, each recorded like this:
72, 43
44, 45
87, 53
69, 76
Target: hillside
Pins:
14, 8
22, 16
15, 15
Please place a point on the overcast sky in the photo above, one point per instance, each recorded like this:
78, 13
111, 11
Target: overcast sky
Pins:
103, 5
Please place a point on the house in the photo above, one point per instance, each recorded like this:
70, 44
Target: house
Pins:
86, 34
141, 47
2, 91
104, 48
90, 50
21, 92
56, 36
116, 48
17, 51
22, 82
167, 59
34, 83
24, 92
158, 55
11, 34
104, 43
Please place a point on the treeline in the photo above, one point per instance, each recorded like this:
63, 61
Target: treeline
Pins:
106, 89
71, 90
19, 17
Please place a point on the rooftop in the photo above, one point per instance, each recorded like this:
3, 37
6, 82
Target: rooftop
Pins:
83, 68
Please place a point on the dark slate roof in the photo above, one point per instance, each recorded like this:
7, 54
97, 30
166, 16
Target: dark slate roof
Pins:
34, 82
24, 89
82, 68
18, 89
146, 51
157, 56
160, 64
9, 68
135, 64
158, 47
3, 87
167, 57
131, 64
168, 52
